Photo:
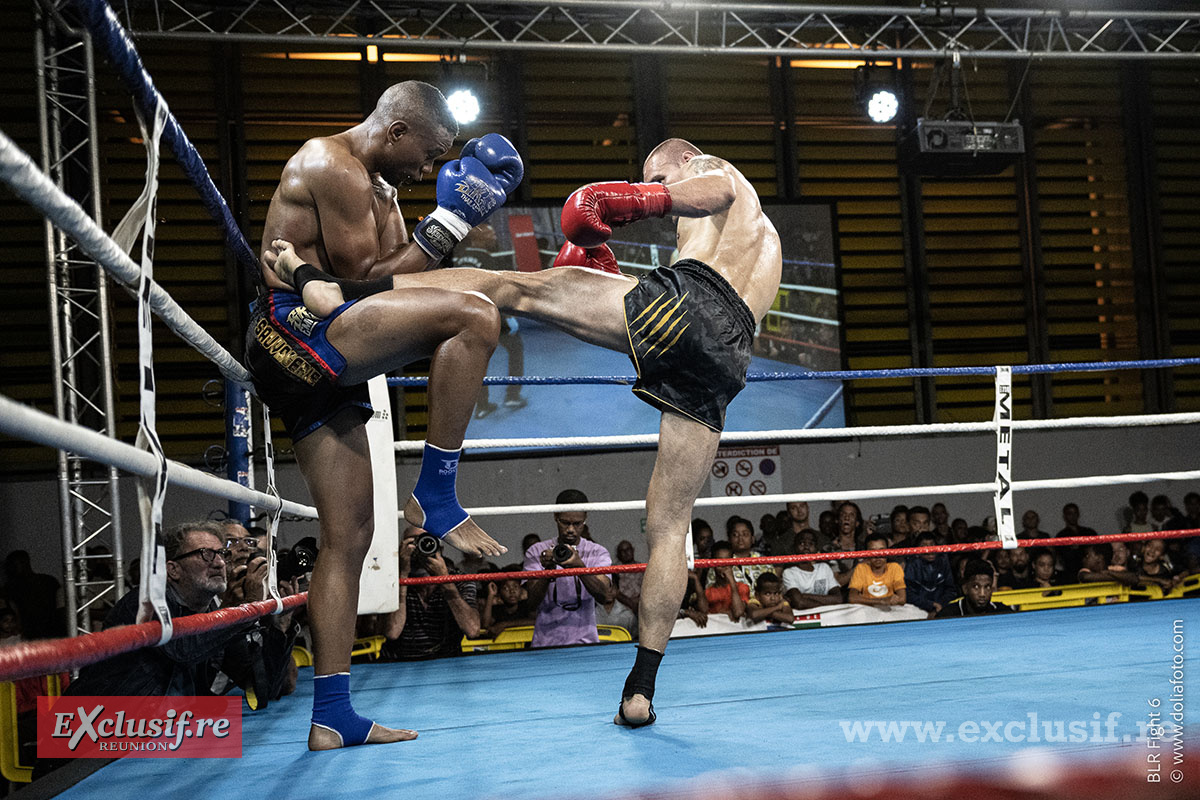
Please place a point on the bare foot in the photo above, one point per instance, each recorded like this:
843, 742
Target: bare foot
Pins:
322, 298
470, 538
324, 739
467, 537
283, 261
637, 712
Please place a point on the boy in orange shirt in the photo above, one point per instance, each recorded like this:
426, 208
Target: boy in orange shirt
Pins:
877, 581
722, 599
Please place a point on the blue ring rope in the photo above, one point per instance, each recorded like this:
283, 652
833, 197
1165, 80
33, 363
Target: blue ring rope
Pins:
102, 22
839, 375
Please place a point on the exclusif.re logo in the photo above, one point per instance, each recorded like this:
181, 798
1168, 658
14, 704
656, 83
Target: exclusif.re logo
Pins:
139, 727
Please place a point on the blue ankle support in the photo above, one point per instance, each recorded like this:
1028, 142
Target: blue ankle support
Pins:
435, 492
332, 709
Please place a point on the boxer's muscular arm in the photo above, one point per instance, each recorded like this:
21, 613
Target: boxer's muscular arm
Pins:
345, 199
710, 188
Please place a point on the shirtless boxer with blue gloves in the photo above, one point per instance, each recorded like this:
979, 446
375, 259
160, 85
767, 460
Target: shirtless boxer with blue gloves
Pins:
687, 328
336, 205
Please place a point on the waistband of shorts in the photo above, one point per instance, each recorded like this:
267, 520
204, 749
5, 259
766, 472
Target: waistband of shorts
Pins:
264, 296
717, 281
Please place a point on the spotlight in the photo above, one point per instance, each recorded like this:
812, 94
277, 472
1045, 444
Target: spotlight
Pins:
883, 105
875, 91
464, 106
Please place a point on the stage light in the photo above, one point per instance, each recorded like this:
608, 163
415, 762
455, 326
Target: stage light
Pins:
464, 106
875, 91
883, 105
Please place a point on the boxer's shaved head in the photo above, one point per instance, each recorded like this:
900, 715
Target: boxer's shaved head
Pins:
672, 151
415, 102
665, 161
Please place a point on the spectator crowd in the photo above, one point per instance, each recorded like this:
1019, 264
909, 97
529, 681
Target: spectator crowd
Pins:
220, 564
567, 610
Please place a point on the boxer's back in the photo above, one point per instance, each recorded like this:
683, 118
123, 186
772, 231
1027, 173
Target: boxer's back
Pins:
739, 242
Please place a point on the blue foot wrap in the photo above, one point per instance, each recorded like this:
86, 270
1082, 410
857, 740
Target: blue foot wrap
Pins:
435, 492
332, 709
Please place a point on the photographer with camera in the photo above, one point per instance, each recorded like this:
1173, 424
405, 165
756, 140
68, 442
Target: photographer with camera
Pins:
247, 566
432, 618
566, 612
259, 661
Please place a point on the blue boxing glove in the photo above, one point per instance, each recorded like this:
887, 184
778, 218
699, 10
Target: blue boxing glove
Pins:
500, 157
467, 193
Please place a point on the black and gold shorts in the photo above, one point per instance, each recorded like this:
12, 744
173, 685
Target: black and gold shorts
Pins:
690, 335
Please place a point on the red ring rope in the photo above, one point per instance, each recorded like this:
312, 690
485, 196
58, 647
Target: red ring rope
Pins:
46, 656
567, 572
43, 657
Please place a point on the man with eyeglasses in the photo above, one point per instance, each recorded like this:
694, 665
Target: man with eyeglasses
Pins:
566, 607
240, 569
239, 541
257, 655
196, 556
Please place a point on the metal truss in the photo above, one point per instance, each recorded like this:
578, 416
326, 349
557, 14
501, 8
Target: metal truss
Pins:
679, 27
81, 347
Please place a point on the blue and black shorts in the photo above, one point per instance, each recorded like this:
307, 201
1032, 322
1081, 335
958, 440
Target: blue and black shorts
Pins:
295, 368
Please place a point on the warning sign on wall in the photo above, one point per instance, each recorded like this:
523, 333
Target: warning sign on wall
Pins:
745, 471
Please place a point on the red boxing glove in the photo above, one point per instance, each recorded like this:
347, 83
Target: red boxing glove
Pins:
591, 210
597, 258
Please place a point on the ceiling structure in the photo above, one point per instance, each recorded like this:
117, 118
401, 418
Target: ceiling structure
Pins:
690, 27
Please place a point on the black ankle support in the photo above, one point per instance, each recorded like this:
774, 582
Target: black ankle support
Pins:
351, 290
642, 676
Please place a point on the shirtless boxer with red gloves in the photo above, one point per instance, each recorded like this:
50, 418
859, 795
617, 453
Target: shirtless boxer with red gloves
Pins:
687, 327
336, 202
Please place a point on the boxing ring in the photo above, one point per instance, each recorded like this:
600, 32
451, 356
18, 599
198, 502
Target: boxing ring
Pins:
735, 713
887, 710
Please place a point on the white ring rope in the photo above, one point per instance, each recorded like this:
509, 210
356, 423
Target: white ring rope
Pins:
23, 422
31, 185
856, 494
809, 434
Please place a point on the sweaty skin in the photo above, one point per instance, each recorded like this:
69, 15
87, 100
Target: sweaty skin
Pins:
719, 222
360, 233
739, 241
336, 202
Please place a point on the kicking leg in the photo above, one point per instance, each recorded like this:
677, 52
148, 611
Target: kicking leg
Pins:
587, 304
685, 453
393, 328
336, 465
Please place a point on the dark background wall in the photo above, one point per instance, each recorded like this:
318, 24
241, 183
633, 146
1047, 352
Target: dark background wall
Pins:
1086, 250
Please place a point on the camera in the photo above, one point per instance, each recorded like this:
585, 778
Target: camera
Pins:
562, 553
295, 562
426, 547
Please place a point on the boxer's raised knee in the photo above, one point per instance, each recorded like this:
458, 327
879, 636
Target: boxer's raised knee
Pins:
480, 317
